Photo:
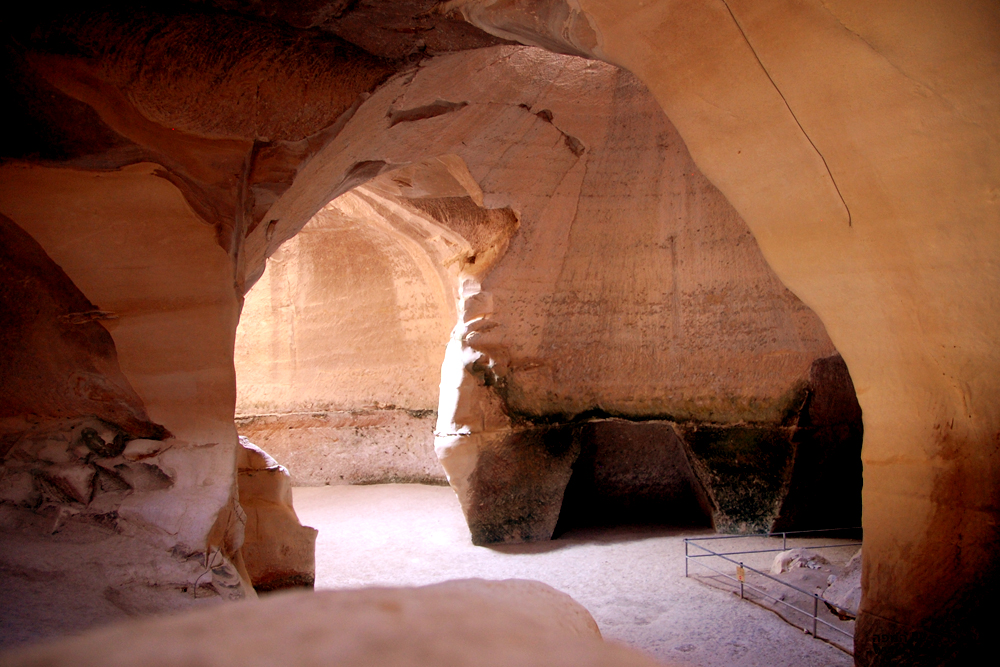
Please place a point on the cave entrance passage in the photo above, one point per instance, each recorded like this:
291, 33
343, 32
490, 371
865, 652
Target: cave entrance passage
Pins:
618, 349
340, 356
341, 341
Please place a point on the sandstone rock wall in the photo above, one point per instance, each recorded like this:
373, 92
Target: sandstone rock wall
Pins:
858, 140
350, 446
339, 352
349, 313
149, 344
635, 288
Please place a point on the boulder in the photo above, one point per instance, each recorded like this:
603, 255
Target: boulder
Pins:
843, 597
516, 622
278, 551
805, 570
793, 558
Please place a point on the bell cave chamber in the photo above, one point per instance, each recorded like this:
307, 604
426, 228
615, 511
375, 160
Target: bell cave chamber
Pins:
703, 268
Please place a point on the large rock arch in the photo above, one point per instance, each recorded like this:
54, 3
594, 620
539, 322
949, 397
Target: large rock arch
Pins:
604, 281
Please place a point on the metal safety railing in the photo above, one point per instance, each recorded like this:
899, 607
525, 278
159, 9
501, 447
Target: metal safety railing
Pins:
704, 552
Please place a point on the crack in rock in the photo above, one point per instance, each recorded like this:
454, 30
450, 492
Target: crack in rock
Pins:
572, 143
438, 108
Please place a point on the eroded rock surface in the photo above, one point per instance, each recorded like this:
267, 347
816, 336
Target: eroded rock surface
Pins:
149, 344
373, 446
277, 550
516, 622
56, 360
64, 570
82, 466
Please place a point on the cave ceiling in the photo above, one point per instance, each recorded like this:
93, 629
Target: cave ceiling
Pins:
163, 53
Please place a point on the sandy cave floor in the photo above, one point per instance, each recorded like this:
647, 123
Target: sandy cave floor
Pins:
630, 579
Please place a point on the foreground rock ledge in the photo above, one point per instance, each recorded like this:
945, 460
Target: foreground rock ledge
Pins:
516, 622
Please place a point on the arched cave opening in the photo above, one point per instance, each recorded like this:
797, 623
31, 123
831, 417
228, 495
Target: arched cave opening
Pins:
331, 315
340, 347
611, 330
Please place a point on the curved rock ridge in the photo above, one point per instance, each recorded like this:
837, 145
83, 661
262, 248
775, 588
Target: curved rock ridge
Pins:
392, 29
340, 347
189, 73
555, 25
517, 622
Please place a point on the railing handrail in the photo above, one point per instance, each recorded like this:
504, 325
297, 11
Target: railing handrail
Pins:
710, 553
776, 533
767, 551
816, 597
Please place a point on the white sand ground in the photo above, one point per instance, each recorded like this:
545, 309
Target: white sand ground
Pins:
630, 579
